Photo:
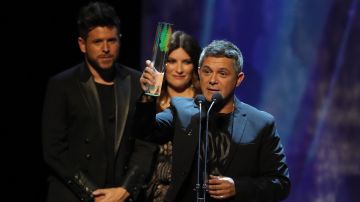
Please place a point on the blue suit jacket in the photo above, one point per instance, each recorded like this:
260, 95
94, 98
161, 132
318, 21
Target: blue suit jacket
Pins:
256, 164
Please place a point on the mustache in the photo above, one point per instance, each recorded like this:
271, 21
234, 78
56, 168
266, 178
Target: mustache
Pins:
106, 56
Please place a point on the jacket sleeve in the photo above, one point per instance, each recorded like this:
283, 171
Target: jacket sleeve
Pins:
149, 136
151, 126
272, 183
56, 145
145, 113
139, 167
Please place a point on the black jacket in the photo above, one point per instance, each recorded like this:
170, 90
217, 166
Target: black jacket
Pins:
73, 135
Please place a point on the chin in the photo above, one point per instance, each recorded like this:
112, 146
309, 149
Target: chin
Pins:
208, 96
107, 66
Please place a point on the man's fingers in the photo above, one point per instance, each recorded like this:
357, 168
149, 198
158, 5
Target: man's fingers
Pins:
98, 192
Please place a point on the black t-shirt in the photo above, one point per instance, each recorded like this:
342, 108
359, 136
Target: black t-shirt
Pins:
107, 101
219, 141
220, 129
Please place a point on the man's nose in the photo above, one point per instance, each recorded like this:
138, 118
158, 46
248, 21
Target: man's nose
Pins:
106, 48
212, 80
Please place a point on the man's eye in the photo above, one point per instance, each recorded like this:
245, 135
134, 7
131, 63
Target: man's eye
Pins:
97, 41
114, 40
205, 71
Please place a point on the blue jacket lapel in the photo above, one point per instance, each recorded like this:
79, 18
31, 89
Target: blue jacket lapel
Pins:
238, 131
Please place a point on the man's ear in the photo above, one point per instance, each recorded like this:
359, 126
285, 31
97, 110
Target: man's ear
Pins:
240, 78
82, 45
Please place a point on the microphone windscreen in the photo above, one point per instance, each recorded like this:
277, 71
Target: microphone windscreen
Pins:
199, 99
217, 97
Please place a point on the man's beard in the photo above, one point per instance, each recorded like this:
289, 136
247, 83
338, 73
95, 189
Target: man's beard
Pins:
108, 74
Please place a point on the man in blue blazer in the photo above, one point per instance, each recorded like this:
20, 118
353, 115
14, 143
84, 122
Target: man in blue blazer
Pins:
245, 160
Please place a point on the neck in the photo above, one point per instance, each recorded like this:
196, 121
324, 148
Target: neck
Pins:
229, 106
98, 78
188, 92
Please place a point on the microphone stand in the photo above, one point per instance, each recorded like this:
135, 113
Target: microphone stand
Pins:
206, 149
198, 190
201, 191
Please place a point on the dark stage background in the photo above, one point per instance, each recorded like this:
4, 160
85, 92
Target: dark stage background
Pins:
40, 41
302, 65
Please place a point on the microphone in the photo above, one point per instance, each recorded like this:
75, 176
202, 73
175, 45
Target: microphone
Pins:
215, 99
200, 193
199, 99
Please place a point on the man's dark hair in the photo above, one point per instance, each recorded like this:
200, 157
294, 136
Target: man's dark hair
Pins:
96, 14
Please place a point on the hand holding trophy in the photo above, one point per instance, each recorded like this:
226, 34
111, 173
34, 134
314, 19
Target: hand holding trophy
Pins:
160, 51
